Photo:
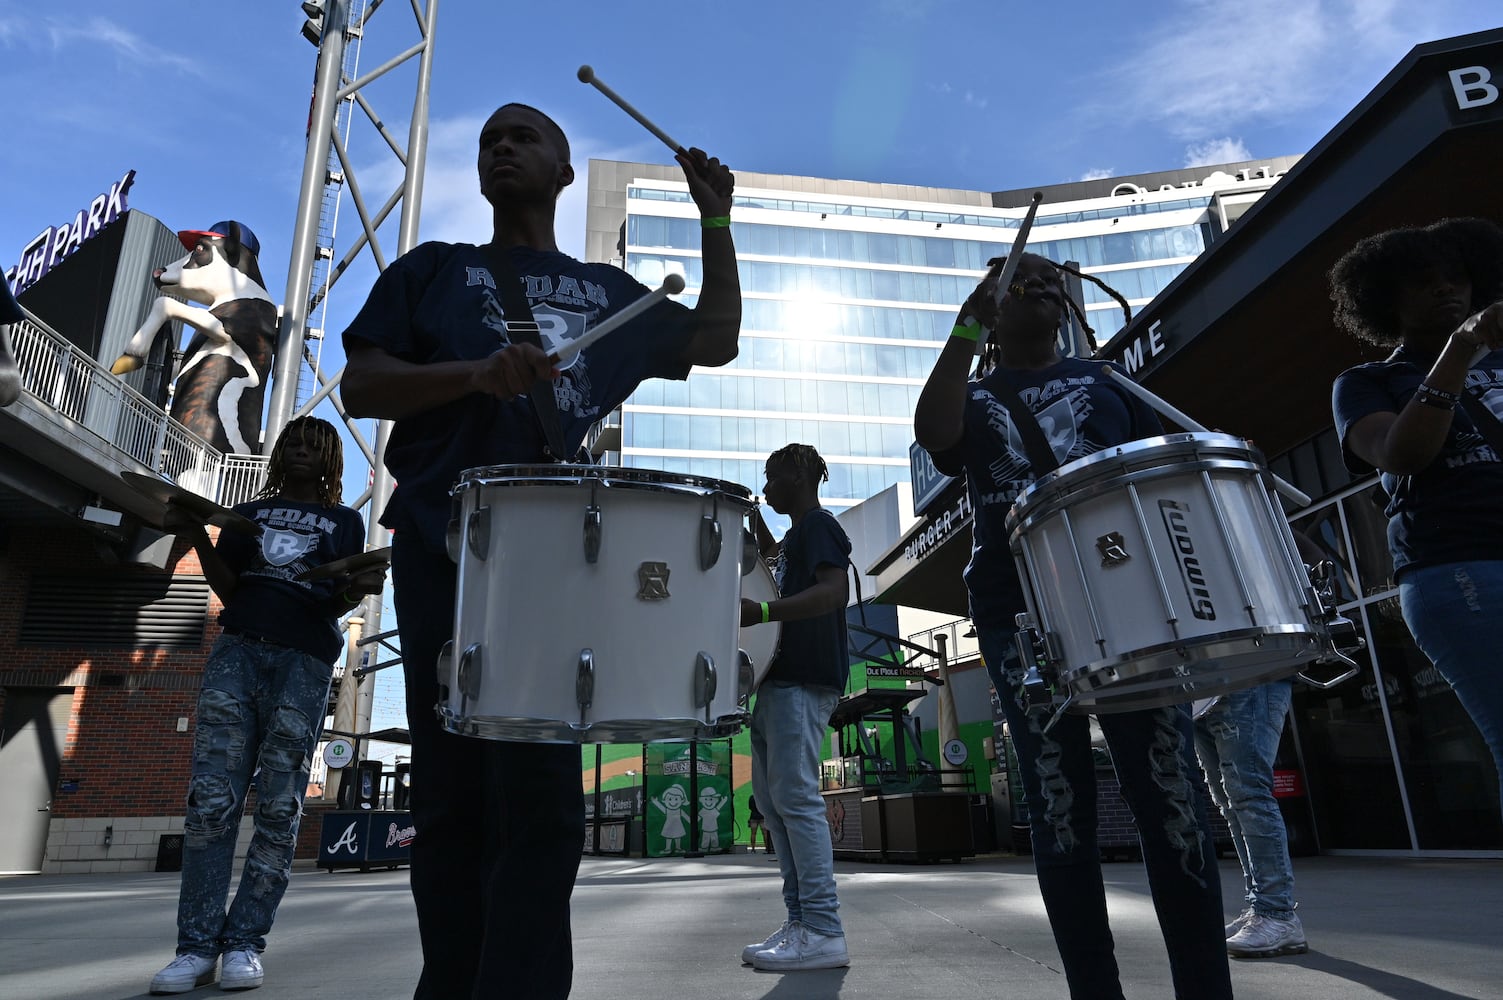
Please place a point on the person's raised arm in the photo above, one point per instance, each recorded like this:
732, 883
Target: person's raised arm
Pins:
830, 592
717, 315
221, 579
378, 384
1406, 442
939, 416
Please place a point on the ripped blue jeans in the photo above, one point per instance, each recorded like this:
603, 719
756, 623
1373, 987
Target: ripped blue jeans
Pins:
1153, 754
260, 711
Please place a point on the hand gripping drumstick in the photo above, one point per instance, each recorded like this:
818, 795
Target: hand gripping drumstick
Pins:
587, 75
672, 285
1013, 256
1167, 409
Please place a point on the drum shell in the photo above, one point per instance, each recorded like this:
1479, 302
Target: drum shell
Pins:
532, 605
760, 642
1162, 571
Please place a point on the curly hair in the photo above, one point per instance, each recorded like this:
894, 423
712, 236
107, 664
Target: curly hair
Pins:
1366, 281
322, 437
801, 458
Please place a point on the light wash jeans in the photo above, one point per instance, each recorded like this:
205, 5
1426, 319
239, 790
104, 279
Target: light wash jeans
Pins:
1237, 741
1455, 613
260, 711
788, 726
1152, 756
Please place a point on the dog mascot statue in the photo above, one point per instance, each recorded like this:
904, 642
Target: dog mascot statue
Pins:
221, 385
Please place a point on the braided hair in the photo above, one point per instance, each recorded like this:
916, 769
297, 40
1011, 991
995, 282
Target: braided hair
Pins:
322, 436
801, 458
991, 353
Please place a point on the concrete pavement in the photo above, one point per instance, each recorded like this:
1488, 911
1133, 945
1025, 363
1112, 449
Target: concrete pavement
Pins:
647, 929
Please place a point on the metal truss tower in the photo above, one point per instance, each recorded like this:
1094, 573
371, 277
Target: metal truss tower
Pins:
340, 29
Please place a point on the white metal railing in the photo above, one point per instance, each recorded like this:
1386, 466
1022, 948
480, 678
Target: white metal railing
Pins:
55, 373
959, 646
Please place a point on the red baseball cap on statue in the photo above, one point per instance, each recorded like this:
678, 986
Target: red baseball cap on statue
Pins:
227, 230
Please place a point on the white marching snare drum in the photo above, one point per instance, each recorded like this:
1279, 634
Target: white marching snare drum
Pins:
1163, 571
595, 605
759, 642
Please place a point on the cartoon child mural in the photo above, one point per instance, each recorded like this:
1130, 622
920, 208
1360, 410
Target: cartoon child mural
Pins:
221, 385
711, 801
675, 817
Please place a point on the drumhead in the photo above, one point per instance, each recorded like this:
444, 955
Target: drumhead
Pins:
1111, 468
615, 477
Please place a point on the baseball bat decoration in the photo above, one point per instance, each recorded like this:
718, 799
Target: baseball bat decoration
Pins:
587, 75
672, 285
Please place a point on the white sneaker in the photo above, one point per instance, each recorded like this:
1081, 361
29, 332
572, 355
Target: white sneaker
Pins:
184, 973
1266, 937
803, 949
1237, 922
772, 941
241, 970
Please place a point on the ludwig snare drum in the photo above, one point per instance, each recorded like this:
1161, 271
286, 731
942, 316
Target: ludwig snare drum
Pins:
758, 642
595, 605
1163, 571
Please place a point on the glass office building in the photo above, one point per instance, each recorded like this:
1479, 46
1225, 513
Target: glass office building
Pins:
850, 290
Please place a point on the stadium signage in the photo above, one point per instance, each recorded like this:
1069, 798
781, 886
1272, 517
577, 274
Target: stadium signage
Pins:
53, 244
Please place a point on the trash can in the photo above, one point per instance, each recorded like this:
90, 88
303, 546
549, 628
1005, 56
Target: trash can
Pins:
170, 852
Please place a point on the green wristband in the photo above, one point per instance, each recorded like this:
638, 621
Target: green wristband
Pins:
766, 613
971, 333
352, 600
715, 222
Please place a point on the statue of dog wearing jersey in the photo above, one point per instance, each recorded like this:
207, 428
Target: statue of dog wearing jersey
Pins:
221, 385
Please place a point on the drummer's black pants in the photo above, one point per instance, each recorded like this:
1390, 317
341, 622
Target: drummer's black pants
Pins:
1152, 752
500, 826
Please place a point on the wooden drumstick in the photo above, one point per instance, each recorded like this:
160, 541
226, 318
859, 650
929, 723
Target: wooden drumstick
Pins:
672, 285
587, 75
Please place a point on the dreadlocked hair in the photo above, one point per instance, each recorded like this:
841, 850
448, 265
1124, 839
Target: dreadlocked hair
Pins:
991, 354
1366, 281
804, 459
322, 436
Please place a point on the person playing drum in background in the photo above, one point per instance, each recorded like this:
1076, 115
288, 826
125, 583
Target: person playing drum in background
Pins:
791, 713
500, 825
1426, 417
967, 428
263, 699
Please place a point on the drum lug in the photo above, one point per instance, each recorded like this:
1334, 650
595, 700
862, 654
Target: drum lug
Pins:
451, 539
1036, 692
478, 532
705, 681
709, 541
445, 668
592, 532
584, 683
469, 675
746, 676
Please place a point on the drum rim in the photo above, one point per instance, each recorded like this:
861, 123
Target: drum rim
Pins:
1086, 465
1064, 495
1164, 656
530, 729
628, 477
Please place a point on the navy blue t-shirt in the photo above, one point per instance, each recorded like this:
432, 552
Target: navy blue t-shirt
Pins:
1450, 511
269, 601
439, 303
811, 650
1080, 410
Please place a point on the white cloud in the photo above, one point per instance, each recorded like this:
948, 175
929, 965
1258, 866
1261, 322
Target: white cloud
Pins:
1223, 150
1201, 72
1097, 174
57, 34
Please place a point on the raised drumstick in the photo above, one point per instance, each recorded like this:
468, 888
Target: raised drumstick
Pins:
672, 285
587, 75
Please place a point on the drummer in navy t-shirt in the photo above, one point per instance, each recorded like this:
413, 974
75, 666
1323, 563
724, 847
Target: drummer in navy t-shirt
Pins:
966, 427
500, 826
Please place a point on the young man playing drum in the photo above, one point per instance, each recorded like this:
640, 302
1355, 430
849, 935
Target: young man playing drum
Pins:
792, 710
967, 427
500, 825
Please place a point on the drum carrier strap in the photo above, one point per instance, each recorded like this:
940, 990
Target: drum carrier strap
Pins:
1484, 420
1035, 445
522, 328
